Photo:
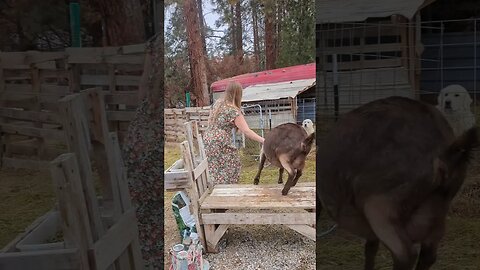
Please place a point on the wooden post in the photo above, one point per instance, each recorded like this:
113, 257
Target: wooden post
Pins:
103, 150
411, 56
133, 252
194, 196
335, 85
72, 206
2, 93
75, 122
74, 77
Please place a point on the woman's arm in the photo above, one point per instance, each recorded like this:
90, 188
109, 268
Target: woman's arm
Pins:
243, 127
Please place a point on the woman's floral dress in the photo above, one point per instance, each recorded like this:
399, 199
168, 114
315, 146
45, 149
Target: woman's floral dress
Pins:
222, 155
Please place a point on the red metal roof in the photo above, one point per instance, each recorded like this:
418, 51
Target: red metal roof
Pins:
293, 73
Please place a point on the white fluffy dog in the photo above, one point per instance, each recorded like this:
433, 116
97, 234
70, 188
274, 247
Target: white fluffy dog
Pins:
307, 124
454, 102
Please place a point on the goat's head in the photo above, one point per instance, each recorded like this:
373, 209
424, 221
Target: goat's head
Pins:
450, 167
307, 143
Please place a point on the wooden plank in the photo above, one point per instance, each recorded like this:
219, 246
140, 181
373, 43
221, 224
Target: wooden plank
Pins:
33, 132
259, 218
103, 150
120, 173
125, 116
135, 48
305, 230
2, 90
219, 232
72, 205
76, 123
130, 99
259, 197
65, 259
208, 243
386, 47
10, 247
125, 59
121, 80
8, 162
200, 169
51, 89
396, 62
46, 117
37, 238
192, 191
36, 98
115, 241
74, 77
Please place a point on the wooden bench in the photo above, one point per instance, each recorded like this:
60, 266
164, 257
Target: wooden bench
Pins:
217, 207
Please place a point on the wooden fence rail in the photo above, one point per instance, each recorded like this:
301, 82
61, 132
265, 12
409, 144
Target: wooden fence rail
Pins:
96, 233
32, 83
175, 120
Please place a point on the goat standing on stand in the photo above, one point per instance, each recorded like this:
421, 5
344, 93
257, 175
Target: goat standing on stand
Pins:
286, 147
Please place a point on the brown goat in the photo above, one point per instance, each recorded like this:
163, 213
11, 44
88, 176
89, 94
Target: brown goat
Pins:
286, 147
388, 173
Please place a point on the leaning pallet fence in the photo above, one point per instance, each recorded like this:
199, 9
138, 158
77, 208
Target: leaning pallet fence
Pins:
88, 231
31, 83
175, 119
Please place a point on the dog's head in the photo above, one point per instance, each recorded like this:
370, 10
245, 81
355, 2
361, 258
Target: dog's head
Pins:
307, 124
454, 98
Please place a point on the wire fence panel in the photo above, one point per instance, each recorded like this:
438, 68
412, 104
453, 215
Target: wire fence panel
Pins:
365, 61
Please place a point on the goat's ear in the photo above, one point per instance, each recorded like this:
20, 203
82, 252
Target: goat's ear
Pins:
308, 142
460, 151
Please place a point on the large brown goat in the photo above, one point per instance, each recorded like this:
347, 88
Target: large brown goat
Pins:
286, 147
388, 173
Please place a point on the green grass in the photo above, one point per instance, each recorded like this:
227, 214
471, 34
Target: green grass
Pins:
459, 249
250, 167
25, 196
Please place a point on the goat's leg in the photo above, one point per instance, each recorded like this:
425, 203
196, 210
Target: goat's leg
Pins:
280, 175
299, 173
260, 168
428, 256
291, 173
371, 249
289, 184
378, 211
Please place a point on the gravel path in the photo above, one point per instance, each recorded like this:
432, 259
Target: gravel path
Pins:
254, 247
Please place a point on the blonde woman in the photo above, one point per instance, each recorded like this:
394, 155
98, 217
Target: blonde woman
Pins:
223, 157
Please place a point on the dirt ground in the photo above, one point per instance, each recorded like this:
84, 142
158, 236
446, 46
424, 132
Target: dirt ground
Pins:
250, 247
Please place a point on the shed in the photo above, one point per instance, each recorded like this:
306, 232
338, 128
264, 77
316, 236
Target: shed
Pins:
378, 48
277, 96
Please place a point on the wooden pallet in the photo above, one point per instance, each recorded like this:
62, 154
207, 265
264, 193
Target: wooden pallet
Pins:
217, 207
97, 234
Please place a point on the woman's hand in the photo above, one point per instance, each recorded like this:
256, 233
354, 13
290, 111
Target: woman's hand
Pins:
243, 127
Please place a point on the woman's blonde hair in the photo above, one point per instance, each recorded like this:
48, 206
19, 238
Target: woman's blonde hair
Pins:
231, 96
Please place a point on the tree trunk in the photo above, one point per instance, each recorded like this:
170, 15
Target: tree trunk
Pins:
233, 29
195, 53
256, 46
280, 10
270, 34
239, 33
202, 26
124, 23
